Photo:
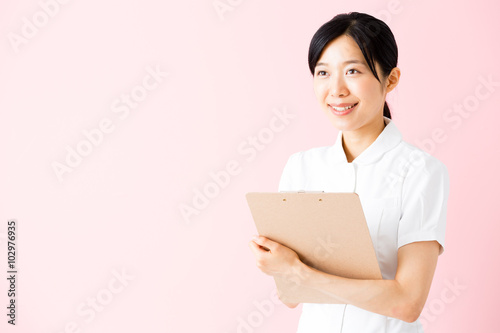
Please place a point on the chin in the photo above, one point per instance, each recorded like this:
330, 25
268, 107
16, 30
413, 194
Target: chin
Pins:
343, 125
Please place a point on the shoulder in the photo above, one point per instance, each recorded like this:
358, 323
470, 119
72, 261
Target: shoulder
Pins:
419, 162
311, 154
305, 159
301, 164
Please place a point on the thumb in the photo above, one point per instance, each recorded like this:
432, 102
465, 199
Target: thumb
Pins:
265, 242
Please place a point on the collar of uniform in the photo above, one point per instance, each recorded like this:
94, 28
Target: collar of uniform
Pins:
388, 139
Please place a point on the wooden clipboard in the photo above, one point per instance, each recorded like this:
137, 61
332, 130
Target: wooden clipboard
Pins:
327, 230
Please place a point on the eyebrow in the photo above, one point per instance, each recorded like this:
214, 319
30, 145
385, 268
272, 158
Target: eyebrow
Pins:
353, 61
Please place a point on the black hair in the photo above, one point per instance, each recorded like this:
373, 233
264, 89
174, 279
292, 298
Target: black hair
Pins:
372, 35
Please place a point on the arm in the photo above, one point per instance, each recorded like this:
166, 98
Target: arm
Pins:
402, 298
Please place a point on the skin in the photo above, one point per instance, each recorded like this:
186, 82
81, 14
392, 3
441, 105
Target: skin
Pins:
337, 82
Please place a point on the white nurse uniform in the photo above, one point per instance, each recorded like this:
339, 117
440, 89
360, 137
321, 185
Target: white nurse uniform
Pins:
403, 191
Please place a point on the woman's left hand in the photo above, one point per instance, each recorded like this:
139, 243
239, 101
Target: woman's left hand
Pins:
274, 258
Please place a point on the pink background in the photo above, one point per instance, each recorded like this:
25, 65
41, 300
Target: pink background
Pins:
119, 209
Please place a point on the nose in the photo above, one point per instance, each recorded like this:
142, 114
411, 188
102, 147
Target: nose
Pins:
337, 86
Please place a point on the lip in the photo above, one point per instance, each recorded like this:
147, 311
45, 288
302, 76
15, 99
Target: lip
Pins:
345, 112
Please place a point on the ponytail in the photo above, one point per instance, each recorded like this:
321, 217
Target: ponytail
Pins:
387, 112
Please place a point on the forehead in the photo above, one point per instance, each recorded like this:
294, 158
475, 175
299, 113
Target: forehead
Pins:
341, 49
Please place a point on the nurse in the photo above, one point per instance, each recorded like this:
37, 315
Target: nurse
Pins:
403, 190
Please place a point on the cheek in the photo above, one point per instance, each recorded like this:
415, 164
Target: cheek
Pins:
320, 90
367, 90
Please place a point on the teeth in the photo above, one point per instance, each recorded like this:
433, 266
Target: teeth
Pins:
343, 109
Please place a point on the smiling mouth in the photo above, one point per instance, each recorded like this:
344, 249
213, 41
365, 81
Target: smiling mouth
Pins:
344, 108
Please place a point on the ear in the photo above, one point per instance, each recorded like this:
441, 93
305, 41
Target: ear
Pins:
393, 79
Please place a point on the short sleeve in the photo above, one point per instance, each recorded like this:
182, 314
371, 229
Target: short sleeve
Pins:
424, 203
287, 176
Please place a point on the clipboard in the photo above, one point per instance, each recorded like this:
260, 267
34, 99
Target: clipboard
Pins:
328, 231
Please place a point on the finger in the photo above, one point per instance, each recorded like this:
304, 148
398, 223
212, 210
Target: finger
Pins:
265, 242
257, 249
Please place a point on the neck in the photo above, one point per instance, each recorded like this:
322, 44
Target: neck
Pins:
355, 142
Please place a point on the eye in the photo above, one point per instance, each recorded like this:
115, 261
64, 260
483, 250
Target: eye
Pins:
320, 73
352, 69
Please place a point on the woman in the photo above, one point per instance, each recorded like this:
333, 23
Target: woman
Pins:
403, 190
